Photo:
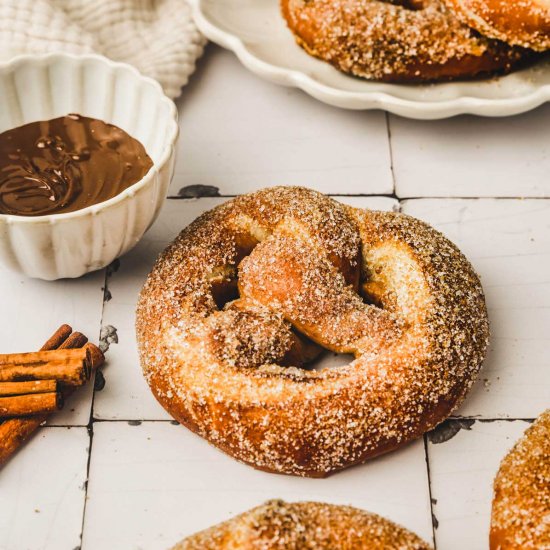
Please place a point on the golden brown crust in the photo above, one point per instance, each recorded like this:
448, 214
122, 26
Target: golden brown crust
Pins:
277, 525
396, 40
234, 375
523, 23
520, 518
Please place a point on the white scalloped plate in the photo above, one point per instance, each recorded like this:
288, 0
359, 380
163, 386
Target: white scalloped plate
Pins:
257, 33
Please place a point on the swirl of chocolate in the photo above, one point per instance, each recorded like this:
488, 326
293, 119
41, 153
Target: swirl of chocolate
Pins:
66, 164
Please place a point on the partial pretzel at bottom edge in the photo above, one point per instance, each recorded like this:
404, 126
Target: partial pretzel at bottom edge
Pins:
277, 525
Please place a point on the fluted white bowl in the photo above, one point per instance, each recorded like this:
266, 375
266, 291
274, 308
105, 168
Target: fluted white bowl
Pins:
44, 87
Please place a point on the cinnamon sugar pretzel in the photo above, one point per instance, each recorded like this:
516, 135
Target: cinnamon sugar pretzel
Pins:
277, 525
519, 22
520, 518
253, 290
397, 40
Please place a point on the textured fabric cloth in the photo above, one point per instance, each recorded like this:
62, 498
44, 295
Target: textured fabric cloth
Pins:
158, 37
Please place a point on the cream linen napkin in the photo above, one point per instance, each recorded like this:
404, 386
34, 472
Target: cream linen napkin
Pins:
158, 37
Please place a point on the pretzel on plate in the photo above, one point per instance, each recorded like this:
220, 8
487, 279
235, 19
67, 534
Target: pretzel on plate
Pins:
521, 22
397, 40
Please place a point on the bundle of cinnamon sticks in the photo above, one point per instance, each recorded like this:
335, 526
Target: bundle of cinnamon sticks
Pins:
33, 385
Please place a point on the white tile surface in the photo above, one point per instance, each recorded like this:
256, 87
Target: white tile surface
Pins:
473, 157
239, 133
42, 492
461, 473
508, 242
152, 484
31, 312
171, 483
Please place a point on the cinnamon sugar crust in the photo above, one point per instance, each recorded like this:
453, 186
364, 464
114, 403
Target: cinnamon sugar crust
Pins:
397, 40
523, 23
236, 373
520, 518
277, 525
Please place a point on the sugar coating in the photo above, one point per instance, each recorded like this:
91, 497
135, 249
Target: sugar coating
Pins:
397, 40
523, 23
237, 373
278, 525
521, 503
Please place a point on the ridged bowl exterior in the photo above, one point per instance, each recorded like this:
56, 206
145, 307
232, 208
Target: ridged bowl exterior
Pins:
44, 87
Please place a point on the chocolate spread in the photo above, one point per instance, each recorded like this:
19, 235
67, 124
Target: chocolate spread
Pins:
66, 164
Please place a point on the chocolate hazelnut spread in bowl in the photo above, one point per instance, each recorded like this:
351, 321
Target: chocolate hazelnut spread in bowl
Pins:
66, 164
87, 150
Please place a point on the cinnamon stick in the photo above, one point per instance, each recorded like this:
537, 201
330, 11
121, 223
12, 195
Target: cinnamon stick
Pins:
15, 431
57, 339
34, 403
68, 366
24, 388
75, 340
95, 356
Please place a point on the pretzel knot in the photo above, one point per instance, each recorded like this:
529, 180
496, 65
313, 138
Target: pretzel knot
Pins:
252, 292
408, 40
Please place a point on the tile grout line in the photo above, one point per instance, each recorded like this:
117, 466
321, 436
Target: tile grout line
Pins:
175, 422
433, 518
383, 195
87, 481
472, 198
90, 425
390, 151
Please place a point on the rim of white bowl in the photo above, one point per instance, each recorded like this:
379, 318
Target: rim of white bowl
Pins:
129, 192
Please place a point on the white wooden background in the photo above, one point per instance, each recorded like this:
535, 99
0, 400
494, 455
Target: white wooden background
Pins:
113, 472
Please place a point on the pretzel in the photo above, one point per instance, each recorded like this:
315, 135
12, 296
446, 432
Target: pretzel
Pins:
396, 40
252, 291
277, 525
520, 23
521, 505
